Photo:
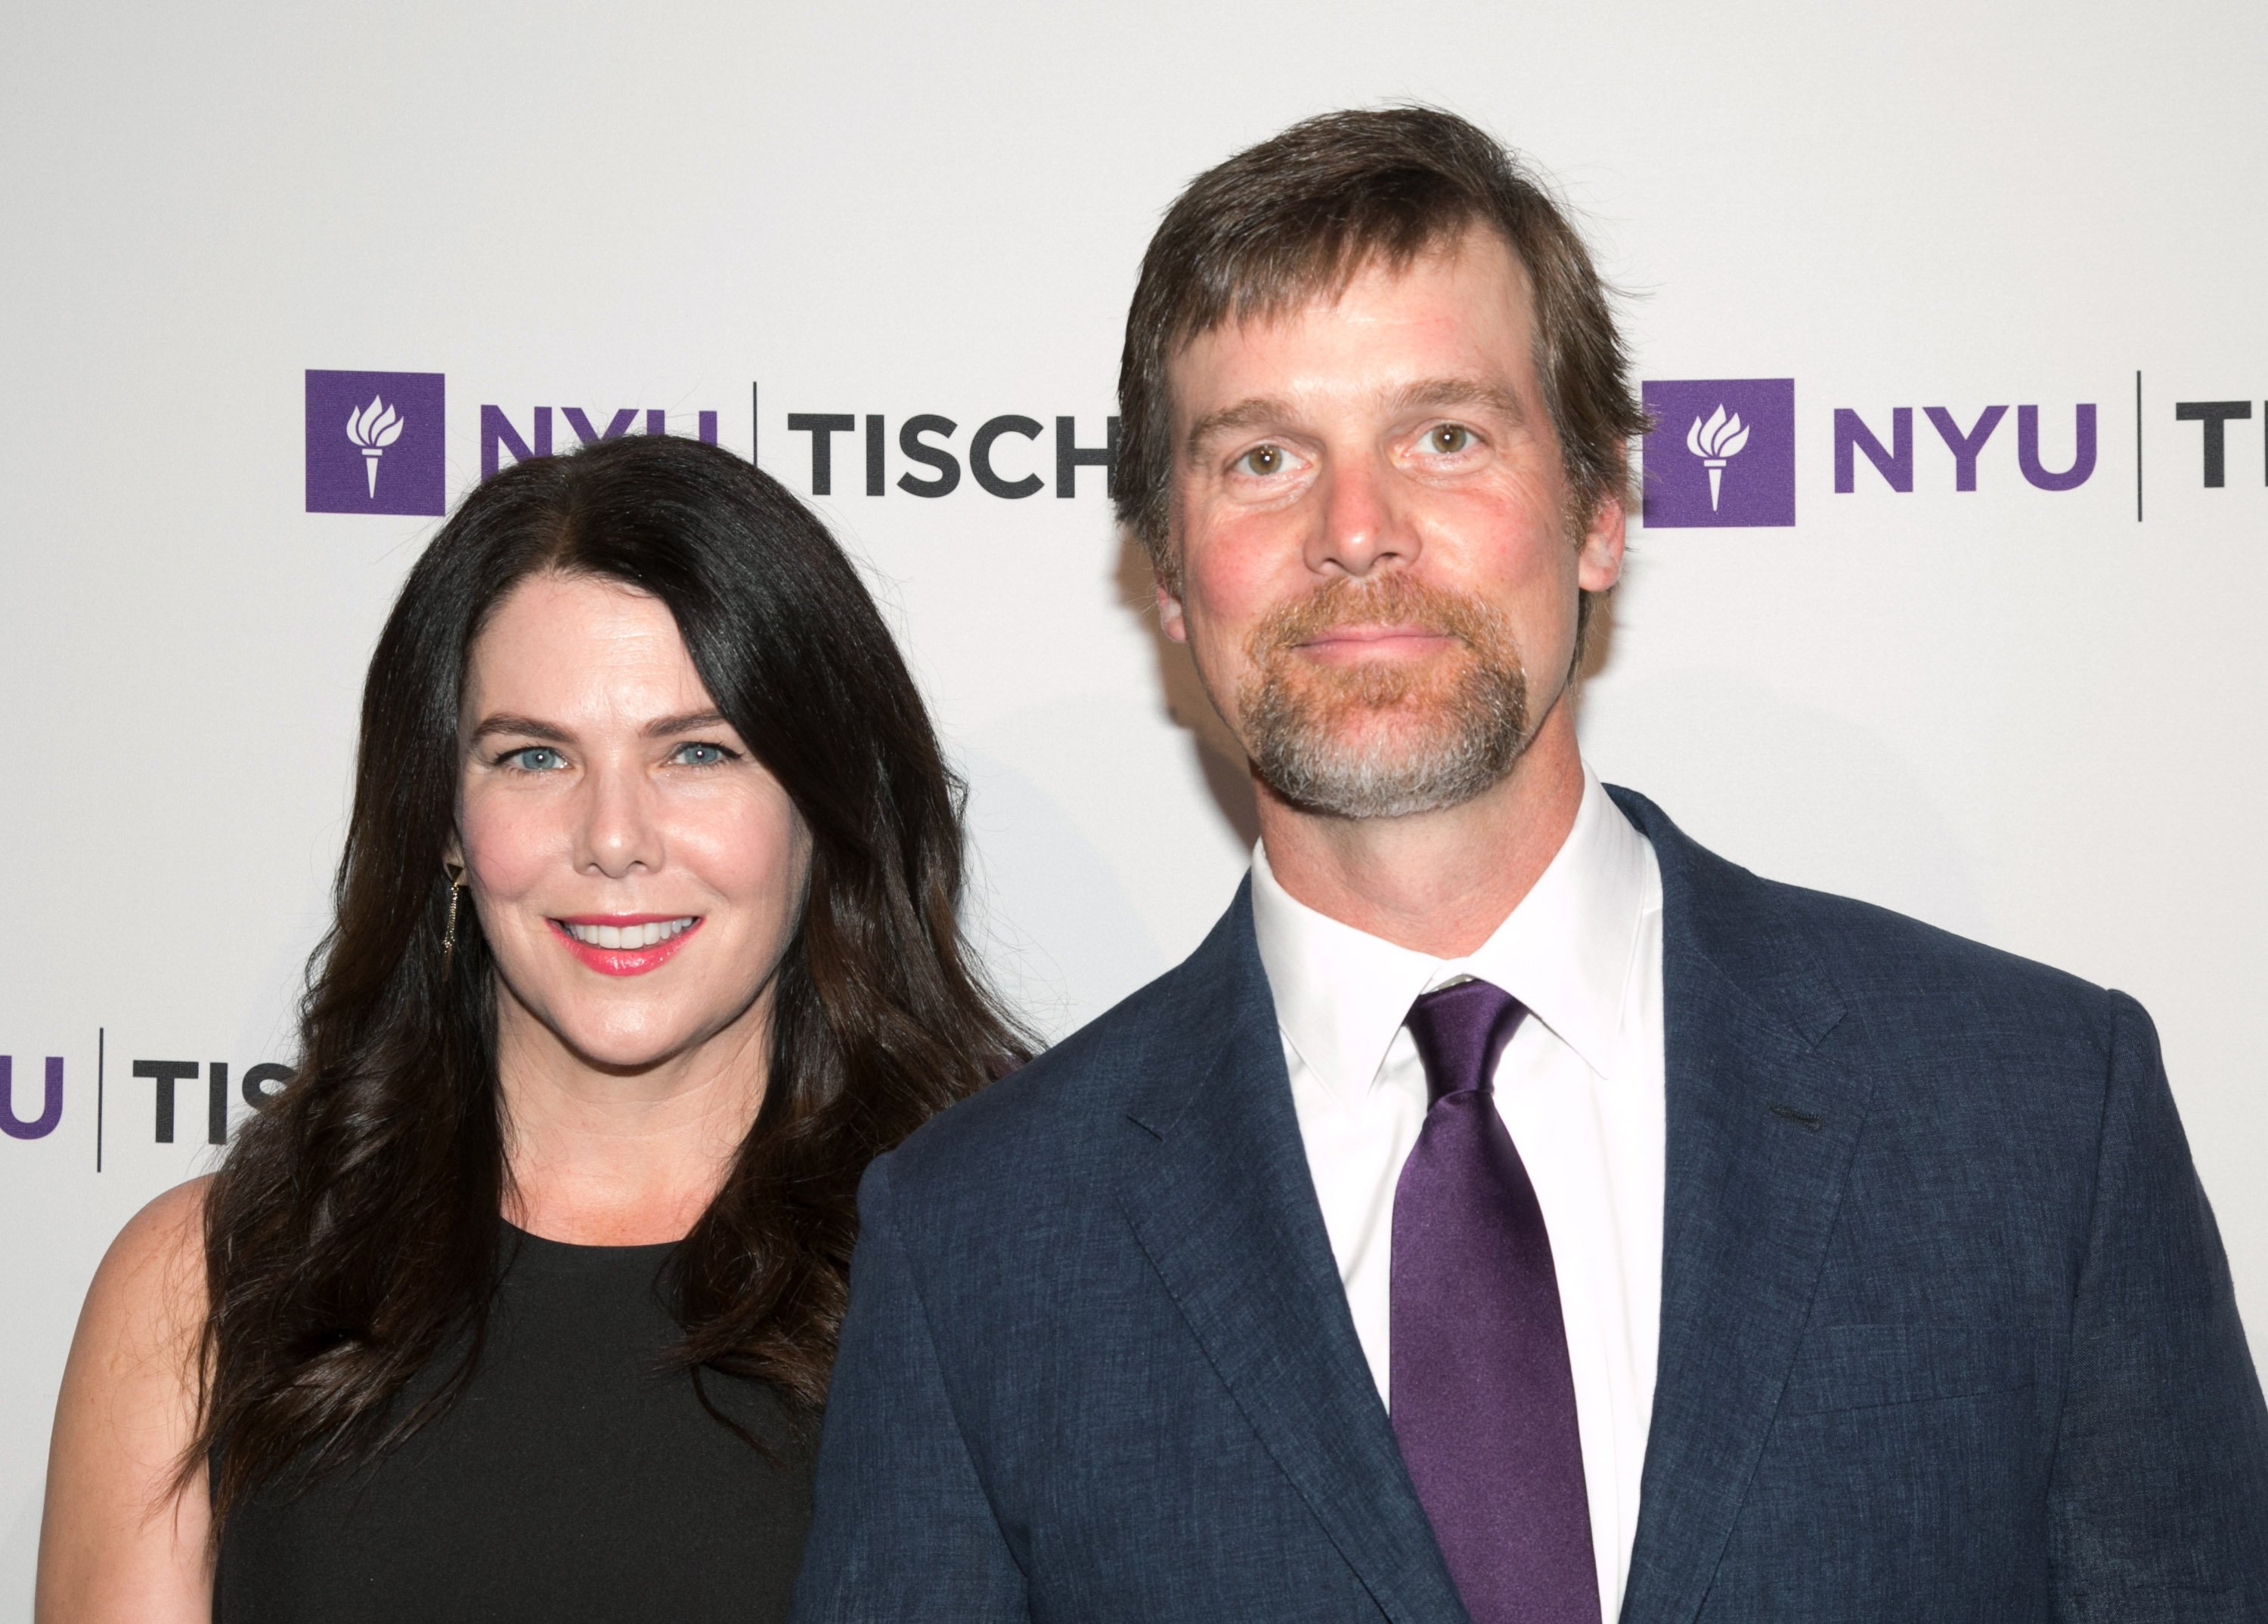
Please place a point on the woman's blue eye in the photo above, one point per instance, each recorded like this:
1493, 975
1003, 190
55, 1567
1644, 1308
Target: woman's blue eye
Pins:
702, 754
536, 758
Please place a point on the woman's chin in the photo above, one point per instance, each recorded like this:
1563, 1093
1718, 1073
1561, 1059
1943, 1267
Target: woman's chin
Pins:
631, 1047
628, 1053
611, 1033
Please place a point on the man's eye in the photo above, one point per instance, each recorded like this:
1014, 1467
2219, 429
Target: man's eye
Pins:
535, 758
1264, 460
1447, 439
695, 755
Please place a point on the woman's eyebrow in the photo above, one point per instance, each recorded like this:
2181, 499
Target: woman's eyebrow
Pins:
692, 721
519, 726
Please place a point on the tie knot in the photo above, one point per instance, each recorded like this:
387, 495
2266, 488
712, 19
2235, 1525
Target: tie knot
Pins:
1461, 1032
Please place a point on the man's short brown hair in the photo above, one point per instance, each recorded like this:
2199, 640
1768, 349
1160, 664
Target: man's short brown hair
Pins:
1297, 215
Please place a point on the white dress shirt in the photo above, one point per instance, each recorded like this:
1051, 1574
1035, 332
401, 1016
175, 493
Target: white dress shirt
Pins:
1580, 1091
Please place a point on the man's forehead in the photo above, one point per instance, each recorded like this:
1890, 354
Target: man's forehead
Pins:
1476, 254
1424, 332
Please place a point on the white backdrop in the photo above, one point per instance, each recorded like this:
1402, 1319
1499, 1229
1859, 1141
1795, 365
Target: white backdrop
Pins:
2019, 713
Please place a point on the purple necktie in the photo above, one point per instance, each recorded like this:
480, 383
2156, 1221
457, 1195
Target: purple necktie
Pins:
1483, 1397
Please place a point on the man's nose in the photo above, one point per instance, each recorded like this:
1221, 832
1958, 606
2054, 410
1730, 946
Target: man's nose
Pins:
1362, 524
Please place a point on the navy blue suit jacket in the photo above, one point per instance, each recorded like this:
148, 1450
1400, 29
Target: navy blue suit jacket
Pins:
1947, 1330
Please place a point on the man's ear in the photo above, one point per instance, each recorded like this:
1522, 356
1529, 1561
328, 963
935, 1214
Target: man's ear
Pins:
1599, 560
1170, 618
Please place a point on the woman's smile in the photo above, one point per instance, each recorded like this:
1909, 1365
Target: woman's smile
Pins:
626, 944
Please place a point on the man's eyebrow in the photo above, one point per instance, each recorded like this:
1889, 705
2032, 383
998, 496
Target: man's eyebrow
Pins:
1427, 395
1431, 394
519, 726
1246, 414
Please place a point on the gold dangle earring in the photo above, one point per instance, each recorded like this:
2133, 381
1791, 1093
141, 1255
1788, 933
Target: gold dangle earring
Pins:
456, 873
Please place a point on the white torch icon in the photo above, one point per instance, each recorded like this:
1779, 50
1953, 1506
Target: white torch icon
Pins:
1716, 442
378, 426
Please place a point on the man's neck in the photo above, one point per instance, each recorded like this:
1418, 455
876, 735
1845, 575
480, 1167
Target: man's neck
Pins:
1436, 882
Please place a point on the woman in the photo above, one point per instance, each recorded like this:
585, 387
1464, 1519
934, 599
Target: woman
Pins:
520, 1300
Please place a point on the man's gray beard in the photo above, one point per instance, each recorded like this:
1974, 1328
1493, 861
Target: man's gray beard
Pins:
1441, 752
1464, 752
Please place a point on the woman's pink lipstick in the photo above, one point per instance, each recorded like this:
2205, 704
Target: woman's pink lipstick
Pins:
624, 961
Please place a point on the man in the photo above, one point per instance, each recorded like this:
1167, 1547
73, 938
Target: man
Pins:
1511, 1210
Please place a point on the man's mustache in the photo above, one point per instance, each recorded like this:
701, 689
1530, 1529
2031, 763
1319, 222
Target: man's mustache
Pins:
1395, 601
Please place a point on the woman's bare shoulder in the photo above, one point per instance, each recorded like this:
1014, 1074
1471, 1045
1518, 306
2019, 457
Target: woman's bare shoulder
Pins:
150, 1285
124, 1534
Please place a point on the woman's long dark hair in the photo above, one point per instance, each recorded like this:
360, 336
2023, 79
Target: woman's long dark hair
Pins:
352, 1230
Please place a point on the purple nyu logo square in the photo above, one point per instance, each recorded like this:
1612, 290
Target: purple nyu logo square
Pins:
1722, 451
375, 443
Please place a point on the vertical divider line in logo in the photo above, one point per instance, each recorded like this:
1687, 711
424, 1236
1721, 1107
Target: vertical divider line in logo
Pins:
97, 1098
755, 421
2138, 444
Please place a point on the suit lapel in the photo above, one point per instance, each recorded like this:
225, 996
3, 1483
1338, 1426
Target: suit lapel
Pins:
1760, 1131
1219, 1196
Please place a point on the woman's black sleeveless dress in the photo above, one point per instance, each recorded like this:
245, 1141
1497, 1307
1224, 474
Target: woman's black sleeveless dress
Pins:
577, 1478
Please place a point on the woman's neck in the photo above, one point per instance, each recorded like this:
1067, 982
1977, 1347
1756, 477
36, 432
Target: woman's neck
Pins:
603, 1157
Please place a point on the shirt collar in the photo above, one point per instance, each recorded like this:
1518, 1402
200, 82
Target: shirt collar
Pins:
1566, 952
